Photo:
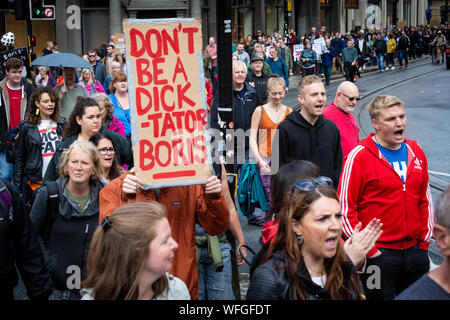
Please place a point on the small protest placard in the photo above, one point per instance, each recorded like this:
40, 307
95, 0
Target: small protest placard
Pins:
166, 86
298, 48
20, 53
317, 47
119, 43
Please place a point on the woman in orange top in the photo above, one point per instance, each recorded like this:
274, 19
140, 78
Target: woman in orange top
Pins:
266, 118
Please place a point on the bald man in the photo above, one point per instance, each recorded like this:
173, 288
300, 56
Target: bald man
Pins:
340, 111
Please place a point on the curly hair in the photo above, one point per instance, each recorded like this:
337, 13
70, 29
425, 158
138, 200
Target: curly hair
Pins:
31, 116
108, 104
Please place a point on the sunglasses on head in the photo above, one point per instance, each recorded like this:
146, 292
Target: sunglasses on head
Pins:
308, 185
350, 98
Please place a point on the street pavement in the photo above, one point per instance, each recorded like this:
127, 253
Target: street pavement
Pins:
426, 99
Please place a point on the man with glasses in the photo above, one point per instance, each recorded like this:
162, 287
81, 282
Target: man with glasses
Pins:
100, 72
386, 177
307, 135
340, 111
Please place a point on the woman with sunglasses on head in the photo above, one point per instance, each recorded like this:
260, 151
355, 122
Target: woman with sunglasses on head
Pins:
307, 260
130, 256
84, 122
265, 120
38, 138
282, 184
108, 161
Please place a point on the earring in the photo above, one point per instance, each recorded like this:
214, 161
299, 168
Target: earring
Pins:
37, 111
299, 239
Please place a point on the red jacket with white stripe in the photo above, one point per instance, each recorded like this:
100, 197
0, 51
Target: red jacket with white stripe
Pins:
369, 188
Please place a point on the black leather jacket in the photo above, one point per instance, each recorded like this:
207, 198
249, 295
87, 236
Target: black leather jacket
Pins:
269, 281
28, 153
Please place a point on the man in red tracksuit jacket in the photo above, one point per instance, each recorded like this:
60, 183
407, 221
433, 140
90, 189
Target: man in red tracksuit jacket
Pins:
386, 176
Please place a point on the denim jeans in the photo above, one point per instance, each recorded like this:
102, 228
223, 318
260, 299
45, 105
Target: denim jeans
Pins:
6, 169
213, 79
398, 270
214, 285
327, 72
402, 54
380, 61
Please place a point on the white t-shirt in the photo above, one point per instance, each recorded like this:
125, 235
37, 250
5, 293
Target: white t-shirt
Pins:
50, 141
320, 281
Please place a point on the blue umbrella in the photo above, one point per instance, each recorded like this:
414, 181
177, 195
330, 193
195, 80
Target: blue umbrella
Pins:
63, 59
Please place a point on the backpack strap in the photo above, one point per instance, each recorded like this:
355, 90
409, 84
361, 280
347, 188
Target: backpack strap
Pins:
53, 198
5, 197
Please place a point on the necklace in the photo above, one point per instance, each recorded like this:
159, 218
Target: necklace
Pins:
314, 273
277, 115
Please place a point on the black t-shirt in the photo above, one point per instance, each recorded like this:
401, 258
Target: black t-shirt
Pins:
260, 86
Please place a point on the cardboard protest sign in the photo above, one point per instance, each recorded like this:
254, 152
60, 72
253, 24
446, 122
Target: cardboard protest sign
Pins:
119, 43
166, 85
317, 47
298, 49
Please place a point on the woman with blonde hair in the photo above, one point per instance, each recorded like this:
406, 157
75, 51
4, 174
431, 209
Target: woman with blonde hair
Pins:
130, 256
265, 121
89, 82
67, 227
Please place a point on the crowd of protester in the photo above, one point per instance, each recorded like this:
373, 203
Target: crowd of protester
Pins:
66, 168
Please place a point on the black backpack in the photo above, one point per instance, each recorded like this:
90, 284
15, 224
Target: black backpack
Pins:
52, 204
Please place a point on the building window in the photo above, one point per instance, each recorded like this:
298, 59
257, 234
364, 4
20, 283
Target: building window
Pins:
241, 19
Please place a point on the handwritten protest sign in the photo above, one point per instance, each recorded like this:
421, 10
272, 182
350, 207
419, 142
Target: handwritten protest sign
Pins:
317, 47
20, 53
166, 86
298, 49
119, 43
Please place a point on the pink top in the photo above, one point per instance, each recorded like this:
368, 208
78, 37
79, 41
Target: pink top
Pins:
347, 126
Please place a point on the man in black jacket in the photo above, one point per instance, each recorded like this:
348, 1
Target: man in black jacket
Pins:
258, 79
244, 104
381, 50
403, 46
307, 135
19, 247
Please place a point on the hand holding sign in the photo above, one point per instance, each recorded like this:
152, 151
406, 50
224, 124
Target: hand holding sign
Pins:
213, 186
131, 184
167, 95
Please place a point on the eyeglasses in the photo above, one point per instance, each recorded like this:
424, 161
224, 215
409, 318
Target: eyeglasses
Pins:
91, 56
308, 185
105, 150
350, 98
